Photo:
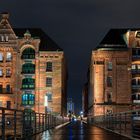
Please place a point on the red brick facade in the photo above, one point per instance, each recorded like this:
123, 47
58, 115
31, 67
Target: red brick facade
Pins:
111, 75
31, 82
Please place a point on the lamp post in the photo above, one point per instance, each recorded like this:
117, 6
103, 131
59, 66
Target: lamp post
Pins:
46, 103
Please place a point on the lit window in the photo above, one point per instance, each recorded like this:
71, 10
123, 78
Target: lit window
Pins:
138, 35
28, 53
49, 95
1, 57
109, 81
133, 67
138, 67
6, 38
2, 38
1, 73
28, 99
28, 83
49, 66
8, 56
28, 68
109, 66
48, 82
8, 89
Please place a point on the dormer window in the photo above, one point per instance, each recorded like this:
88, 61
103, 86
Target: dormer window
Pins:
2, 38
1, 57
6, 38
8, 56
138, 34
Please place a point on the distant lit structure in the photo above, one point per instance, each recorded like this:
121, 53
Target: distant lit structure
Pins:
114, 84
32, 70
70, 105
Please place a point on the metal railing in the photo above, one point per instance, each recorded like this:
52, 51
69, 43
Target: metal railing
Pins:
16, 124
124, 123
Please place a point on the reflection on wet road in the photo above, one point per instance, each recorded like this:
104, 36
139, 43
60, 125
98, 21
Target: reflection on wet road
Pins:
78, 131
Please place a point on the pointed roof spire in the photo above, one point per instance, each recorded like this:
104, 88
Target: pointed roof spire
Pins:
27, 34
5, 15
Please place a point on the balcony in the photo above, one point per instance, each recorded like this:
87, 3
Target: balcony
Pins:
28, 87
6, 91
28, 72
28, 57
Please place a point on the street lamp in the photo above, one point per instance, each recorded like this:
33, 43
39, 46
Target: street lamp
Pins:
46, 103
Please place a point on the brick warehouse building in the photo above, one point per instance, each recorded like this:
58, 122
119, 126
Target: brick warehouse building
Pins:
115, 73
32, 70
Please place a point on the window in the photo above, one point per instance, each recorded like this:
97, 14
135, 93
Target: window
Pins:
99, 62
1, 57
8, 56
109, 81
28, 83
1, 88
6, 38
49, 66
138, 81
8, 72
109, 66
28, 53
8, 104
49, 95
133, 81
48, 82
136, 96
8, 89
2, 38
1, 103
109, 97
28, 99
138, 35
136, 52
28, 68
133, 67
1, 73
138, 67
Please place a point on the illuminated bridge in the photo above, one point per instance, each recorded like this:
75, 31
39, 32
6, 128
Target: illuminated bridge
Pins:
15, 124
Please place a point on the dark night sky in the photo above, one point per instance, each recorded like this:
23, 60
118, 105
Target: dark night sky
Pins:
77, 26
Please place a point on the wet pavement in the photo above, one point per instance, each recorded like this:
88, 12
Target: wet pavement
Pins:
78, 131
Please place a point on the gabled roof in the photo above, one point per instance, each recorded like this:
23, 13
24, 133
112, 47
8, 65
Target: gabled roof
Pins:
46, 44
113, 40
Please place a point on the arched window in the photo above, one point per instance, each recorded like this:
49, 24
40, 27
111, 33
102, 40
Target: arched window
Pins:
28, 83
28, 68
28, 53
28, 99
